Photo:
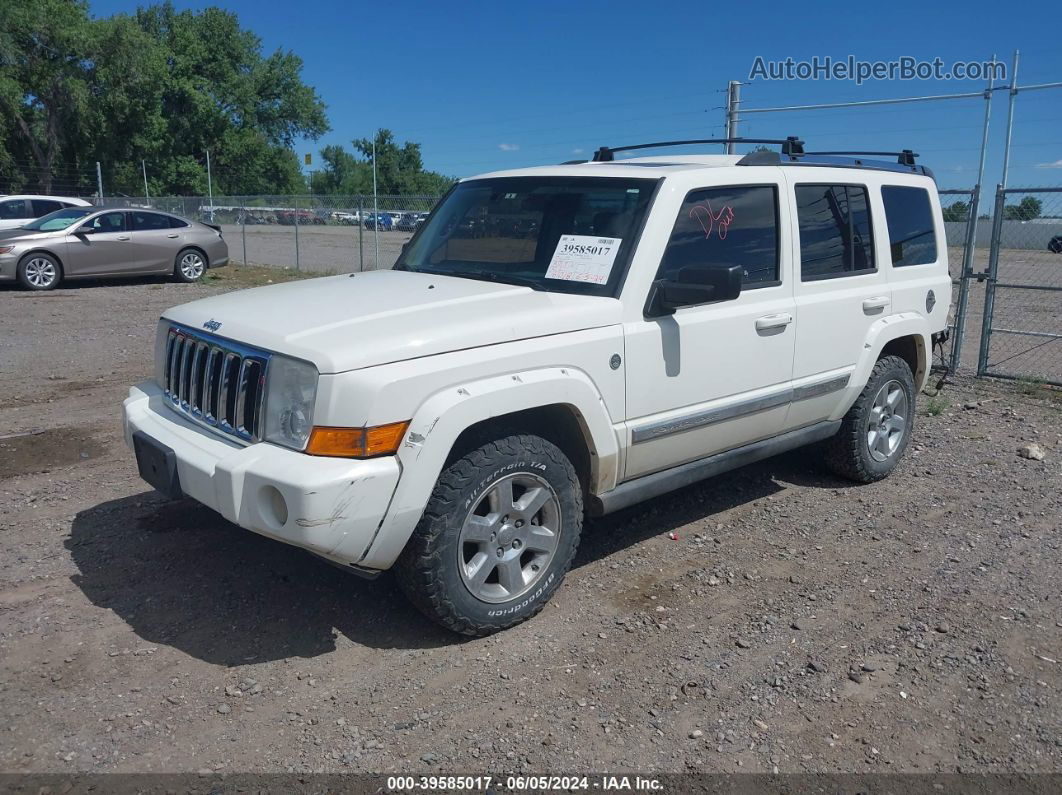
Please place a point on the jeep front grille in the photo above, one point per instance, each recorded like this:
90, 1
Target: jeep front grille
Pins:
216, 382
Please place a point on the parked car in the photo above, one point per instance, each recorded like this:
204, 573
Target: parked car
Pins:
16, 211
1054, 245
409, 222
385, 220
87, 242
287, 217
458, 416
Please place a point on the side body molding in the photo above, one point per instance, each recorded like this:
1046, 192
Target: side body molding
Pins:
442, 418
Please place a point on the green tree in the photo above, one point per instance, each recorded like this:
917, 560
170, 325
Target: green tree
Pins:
1025, 210
959, 211
400, 169
163, 86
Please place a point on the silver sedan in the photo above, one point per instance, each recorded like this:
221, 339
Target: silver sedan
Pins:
90, 243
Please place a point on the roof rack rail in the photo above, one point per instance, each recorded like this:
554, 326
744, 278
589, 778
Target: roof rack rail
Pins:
904, 158
790, 146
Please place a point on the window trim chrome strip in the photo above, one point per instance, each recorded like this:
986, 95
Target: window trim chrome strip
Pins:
703, 418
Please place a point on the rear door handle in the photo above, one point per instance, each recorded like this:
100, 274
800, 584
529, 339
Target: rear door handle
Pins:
173, 235
768, 322
122, 237
876, 304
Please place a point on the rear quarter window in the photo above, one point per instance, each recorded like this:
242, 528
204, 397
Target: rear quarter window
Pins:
909, 215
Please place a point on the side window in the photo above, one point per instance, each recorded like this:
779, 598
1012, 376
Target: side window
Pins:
909, 214
108, 222
13, 208
45, 206
835, 233
146, 222
177, 223
718, 227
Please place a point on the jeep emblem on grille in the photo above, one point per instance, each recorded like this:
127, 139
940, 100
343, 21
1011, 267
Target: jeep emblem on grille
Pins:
212, 325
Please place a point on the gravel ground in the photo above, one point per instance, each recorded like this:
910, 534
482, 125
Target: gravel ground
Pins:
772, 618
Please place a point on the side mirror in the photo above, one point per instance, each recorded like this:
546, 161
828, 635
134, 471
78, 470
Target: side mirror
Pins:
694, 285
86, 230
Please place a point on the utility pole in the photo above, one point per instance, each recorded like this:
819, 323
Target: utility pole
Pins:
210, 187
99, 180
143, 167
375, 207
733, 101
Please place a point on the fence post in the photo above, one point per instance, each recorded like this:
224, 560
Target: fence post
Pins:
361, 233
243, 230
990, 285
295, 202
964, 279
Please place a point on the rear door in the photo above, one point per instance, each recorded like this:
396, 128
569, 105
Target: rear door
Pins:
154, 242
100, 246
841, 288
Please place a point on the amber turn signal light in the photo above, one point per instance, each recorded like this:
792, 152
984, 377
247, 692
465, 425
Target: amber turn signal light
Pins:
356, 442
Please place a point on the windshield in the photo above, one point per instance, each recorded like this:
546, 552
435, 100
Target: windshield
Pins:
60, 219
564, 234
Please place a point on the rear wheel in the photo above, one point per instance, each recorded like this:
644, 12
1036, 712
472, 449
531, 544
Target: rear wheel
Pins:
189, 266
497, 536
39, 271
876, 430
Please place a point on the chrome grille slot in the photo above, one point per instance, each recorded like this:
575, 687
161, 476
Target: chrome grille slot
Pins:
216, 382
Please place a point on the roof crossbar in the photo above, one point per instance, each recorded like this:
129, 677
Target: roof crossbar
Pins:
790, 146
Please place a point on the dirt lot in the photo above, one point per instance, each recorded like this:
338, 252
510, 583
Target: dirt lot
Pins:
772, 618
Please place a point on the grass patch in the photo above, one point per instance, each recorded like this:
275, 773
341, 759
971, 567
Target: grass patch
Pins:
241, 276
935, 406
1029, 385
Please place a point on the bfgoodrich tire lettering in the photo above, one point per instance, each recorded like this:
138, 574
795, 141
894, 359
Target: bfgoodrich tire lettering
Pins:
876, 430
497, 536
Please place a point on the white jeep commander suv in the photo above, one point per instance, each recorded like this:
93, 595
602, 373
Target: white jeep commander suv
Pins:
555, 343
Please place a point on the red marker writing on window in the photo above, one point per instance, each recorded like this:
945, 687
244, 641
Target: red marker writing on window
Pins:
707, 219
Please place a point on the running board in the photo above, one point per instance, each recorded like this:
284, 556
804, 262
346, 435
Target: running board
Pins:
647, 486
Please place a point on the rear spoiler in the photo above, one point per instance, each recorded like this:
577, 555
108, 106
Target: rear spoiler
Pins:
215, 227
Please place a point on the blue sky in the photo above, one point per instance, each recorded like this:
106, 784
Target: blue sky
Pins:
484, 86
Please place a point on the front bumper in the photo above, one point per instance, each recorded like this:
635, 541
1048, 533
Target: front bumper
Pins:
330, 506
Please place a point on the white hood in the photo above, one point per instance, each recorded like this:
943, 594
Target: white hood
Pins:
347, 322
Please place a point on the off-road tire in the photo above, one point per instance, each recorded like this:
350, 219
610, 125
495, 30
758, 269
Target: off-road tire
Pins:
428, 569
848, 453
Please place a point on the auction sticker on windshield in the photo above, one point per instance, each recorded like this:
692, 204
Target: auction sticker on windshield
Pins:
583, 258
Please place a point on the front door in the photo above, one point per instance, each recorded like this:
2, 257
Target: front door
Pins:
100, 246
716, 376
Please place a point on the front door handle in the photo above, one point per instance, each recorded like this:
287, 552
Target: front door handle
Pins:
122, 237
173, 235
876, 304
768, 322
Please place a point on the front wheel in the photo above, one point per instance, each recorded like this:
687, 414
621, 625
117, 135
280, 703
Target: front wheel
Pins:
39, 271
497, 536
189, 266
876, 430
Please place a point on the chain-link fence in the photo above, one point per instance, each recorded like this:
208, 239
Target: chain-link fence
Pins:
337, 234
1022, 333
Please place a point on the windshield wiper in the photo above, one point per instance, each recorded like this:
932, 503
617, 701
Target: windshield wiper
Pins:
488, 276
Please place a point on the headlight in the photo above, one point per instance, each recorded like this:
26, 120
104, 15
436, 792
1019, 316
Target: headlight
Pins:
291, 390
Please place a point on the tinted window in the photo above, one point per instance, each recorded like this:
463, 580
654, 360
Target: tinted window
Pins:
177, 223
909, 213
719, 227
44, 206
835, 235
108, 222
145, 222
13, 208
